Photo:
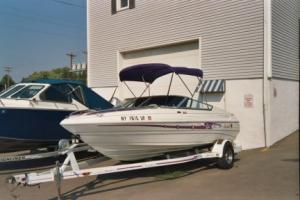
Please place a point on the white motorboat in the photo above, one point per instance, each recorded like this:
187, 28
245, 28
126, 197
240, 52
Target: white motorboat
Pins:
146, 127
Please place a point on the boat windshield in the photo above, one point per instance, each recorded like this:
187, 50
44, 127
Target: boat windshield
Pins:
166, 101
72, 91
28, 92
11, 91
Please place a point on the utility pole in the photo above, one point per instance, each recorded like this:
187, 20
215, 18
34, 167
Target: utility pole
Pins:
7, 71
72, 56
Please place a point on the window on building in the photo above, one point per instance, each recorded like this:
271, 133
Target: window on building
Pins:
119, 5
122, 4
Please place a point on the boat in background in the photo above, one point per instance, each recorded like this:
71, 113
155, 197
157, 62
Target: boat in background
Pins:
30, 113
152, 126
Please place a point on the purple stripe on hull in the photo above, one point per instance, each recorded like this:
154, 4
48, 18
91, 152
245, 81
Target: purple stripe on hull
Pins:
205, 125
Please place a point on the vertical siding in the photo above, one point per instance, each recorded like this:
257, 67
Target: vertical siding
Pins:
285, 39
231, 32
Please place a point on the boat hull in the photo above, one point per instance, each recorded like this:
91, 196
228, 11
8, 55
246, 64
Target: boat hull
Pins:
129, 140
12, 144
23, 129
116, 141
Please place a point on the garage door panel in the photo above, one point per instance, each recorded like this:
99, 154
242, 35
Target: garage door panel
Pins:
176, 55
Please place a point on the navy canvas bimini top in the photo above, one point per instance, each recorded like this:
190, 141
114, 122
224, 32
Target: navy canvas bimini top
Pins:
151, 71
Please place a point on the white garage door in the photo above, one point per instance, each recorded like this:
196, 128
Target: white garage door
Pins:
184, 54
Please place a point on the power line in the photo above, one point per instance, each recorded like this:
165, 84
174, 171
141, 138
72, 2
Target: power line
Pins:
72, 56
7, 70
37, 31
69, 4
26, 17
37, 14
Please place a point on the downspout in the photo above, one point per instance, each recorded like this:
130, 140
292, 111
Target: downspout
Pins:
88, 42
267, 70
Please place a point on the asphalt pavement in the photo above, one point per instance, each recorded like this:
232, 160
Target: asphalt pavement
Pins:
262, 174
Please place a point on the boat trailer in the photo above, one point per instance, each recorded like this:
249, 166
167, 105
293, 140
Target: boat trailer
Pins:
223, 150
40, 155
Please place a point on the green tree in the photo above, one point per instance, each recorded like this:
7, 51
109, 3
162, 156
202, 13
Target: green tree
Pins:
6, 81
58, 73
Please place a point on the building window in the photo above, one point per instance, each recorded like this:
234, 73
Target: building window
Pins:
122, 4
119, 5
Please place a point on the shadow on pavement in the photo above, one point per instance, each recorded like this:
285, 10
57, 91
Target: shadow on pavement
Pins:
95, 186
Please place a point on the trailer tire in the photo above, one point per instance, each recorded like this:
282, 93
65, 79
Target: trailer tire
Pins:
227, 159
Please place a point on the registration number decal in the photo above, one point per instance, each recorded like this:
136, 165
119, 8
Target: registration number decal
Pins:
136, 118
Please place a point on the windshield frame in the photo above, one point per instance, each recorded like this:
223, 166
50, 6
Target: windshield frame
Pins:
10, 89
132, 101
42, 87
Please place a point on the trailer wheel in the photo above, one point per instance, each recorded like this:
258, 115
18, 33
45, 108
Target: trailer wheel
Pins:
227, 159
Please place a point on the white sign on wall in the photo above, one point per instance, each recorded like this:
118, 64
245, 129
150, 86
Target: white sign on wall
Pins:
248, 101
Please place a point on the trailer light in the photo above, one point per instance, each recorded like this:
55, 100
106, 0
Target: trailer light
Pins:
86, 173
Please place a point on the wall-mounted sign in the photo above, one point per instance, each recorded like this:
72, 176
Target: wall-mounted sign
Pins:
248, 101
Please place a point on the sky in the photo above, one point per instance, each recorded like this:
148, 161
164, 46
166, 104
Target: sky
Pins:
35, 35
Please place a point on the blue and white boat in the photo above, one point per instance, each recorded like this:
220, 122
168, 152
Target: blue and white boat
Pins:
30, 113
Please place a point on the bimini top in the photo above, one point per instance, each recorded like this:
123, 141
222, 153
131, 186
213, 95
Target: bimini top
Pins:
151, 71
